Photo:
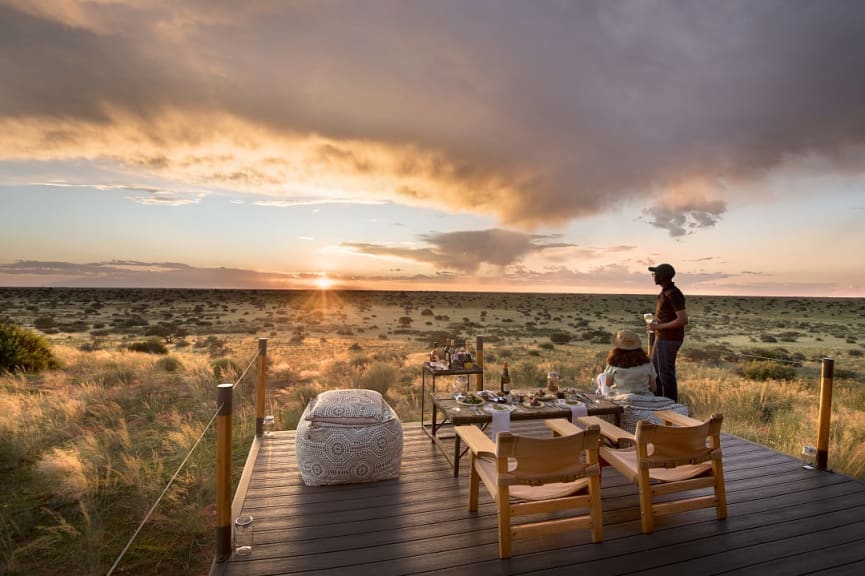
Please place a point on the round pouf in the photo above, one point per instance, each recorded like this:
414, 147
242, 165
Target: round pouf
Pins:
348, 436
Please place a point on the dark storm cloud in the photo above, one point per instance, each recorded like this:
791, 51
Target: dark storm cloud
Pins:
540, 111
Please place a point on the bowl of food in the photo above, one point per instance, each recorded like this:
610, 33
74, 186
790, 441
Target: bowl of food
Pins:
470, 400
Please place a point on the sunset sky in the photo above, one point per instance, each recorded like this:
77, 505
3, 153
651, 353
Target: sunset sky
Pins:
544, 146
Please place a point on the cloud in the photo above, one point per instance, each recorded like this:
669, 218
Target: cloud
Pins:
465, 251
518, 277
128, 273
534, 113
152, 195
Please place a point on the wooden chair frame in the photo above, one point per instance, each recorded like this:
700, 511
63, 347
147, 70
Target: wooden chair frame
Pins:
681, 455
527, 475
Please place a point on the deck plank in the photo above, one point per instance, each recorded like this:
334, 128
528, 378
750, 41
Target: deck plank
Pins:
782, 519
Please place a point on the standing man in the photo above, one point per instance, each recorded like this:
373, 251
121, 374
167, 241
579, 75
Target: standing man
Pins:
669, 328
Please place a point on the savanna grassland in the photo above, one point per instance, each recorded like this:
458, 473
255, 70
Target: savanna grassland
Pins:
89, 446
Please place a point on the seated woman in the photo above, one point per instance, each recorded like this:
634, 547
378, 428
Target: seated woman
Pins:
632, 381
629, 369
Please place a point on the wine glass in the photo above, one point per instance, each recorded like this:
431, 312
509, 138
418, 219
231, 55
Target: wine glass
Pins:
648, 317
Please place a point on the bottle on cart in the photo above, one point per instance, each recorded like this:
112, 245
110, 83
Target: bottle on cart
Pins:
505, 387
434, 353
446, 353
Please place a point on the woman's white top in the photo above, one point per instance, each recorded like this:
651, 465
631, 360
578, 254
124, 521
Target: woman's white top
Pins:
634, 380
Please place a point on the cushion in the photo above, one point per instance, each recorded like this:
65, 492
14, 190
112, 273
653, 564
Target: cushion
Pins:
353, 407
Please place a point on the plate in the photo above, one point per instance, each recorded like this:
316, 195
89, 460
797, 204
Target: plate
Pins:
561, 402
491, 408
526, 404
462, 402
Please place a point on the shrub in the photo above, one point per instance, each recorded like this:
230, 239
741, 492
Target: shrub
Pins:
225, 368
708, 355
770, 354
44, 323
560, 338
22, 349
169, 364
771, 370
152, 346
597, 336
379, 377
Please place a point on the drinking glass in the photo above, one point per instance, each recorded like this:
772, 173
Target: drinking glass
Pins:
243, 535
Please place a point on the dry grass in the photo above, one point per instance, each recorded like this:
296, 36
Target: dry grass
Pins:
89, 447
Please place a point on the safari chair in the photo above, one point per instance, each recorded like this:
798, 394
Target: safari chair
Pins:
537, 476
668, 459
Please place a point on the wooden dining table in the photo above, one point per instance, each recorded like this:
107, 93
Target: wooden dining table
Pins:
447, 412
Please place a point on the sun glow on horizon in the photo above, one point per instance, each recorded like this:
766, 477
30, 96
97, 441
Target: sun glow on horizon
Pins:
323, 283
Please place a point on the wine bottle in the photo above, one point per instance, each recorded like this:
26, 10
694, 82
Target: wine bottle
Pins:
505, 387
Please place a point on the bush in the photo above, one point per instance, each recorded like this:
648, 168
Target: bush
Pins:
715, 355
762, 370
560, 338
152, 346
772, 354
22, 349
597, 336
169, 364
44, 323
225, 368
379, 377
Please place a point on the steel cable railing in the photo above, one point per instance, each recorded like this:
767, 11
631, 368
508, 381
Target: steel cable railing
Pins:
177, 472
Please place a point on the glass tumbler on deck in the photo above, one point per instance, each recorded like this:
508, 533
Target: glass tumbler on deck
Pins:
243, 535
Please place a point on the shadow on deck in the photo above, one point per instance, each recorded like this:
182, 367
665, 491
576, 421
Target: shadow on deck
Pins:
782, 520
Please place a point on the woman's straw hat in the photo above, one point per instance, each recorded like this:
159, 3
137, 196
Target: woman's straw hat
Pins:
626, 340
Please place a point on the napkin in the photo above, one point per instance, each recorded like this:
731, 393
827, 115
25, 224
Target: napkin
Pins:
602, 388
578, 410
501, 422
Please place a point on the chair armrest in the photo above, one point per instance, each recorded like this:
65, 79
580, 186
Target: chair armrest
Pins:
562, 427
476, 440
676, 419
609, 431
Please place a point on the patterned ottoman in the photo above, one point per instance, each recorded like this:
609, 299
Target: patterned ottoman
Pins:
347, 436
643, 407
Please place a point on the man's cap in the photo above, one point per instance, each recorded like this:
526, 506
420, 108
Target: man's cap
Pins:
663, 270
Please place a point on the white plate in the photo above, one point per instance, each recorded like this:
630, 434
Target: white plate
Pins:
462, 402
498, 408
563, 402
526, 404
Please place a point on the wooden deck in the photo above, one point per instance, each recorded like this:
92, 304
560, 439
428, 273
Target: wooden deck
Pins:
782, 520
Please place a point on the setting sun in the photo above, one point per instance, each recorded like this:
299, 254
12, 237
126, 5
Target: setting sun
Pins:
323, 283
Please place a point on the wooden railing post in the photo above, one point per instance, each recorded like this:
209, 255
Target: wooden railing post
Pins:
223, 472
479, 347
259, 387
825, 413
